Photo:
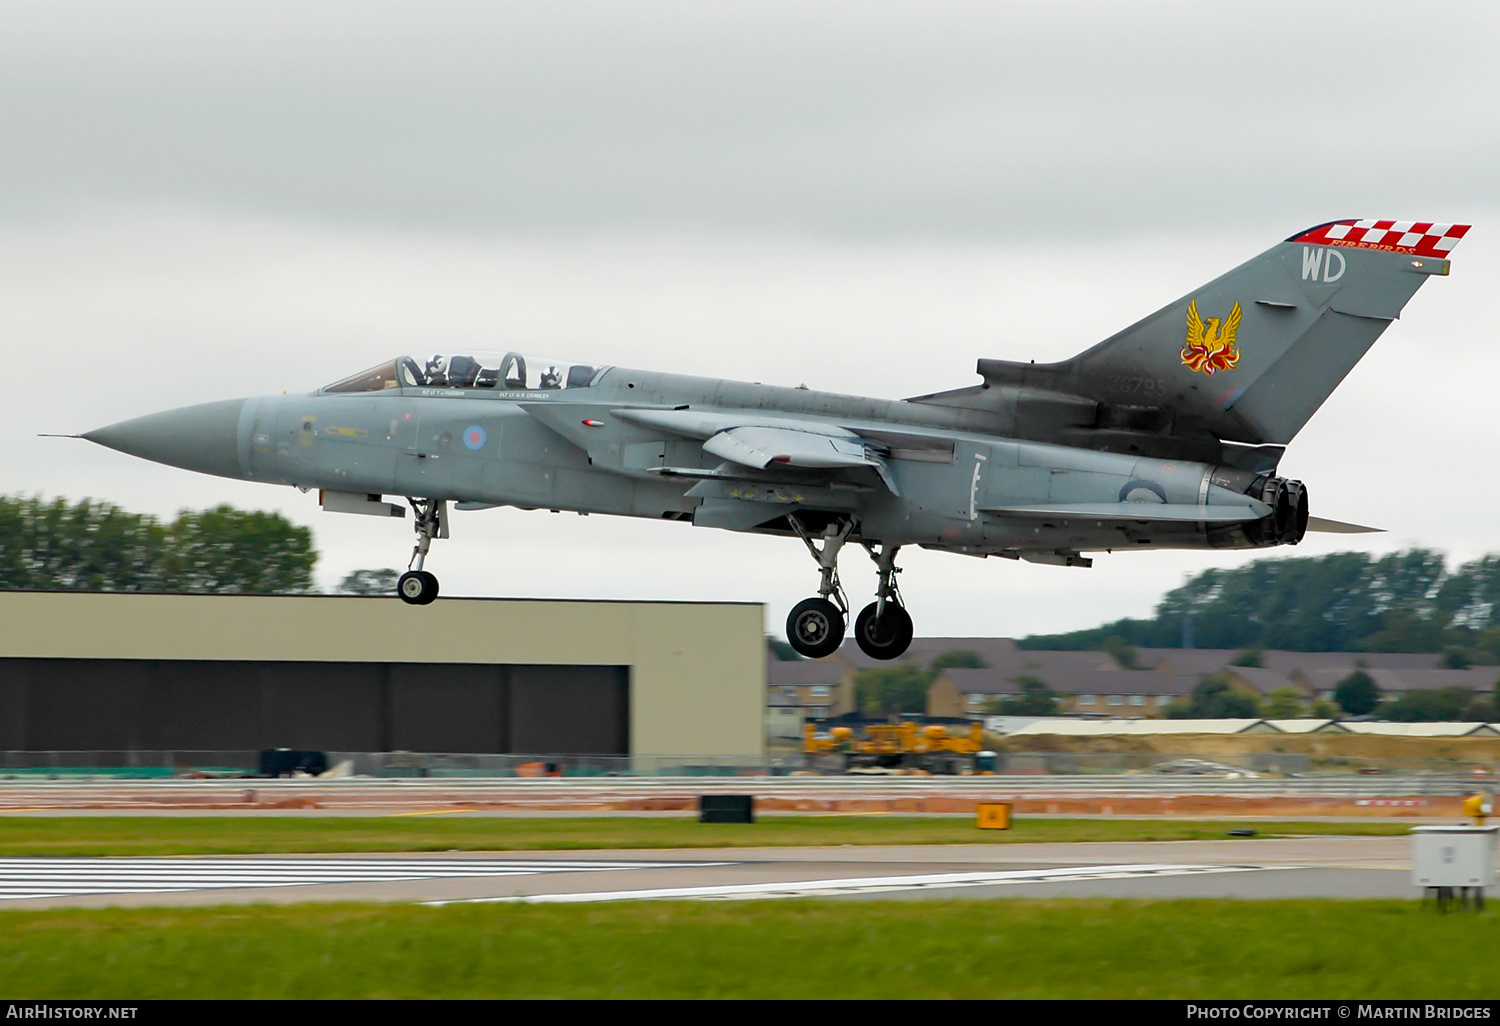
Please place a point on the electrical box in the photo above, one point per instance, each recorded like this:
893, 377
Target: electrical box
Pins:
1453, 856
726, 808
993, 816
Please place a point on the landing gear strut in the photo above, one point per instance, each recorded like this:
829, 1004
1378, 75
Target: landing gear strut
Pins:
417, 587
883, 629
815, 627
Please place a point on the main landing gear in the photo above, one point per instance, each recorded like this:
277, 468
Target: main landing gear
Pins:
883, 628
417, 587
815, 627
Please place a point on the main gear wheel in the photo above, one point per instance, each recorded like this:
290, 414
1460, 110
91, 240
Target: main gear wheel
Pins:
883, 635
815, 628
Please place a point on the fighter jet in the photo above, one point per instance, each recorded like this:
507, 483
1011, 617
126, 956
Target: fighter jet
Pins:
1165, 435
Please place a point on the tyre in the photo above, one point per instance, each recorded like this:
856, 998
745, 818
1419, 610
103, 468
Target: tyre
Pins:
886, 639
815, 628
417, 587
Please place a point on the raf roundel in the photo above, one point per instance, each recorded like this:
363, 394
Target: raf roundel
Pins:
474, 437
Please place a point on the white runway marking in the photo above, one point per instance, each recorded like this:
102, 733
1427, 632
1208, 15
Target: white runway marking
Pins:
875, 884
64, 877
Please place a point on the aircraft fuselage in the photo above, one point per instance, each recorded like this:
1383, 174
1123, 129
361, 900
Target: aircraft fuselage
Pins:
573, 450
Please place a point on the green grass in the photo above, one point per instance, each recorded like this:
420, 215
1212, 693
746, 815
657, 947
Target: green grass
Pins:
1016, 948
232, 835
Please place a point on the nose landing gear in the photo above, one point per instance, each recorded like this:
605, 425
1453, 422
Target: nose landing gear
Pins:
417, 587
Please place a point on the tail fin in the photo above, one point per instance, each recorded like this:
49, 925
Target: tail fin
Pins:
1252, 354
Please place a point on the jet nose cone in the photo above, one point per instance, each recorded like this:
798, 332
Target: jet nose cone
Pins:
203, 438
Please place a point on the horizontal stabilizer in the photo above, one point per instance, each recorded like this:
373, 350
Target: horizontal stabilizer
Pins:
1320, 526
1140, 511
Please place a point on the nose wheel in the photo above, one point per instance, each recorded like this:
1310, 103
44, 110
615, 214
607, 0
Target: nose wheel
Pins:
417, 587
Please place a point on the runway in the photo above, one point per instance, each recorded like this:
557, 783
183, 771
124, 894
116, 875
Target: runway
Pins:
1343, 867
21, 879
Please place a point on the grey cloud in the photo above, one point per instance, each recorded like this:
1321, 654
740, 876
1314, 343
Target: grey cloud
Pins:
840, 119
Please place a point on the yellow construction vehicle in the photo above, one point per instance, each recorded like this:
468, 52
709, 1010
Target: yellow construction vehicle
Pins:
899, 746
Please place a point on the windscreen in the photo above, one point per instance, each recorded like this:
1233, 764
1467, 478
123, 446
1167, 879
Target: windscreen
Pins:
376, 379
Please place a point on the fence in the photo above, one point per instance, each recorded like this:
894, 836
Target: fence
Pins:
1055, 766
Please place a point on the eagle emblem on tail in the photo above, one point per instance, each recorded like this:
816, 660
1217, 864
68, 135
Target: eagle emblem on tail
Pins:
1211, 344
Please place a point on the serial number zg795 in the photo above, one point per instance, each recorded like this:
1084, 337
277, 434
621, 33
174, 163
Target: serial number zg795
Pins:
1143, 386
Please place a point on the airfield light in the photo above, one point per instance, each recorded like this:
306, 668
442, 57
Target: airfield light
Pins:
1478, 807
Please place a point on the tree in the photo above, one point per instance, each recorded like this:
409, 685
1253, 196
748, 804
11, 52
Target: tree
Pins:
368, 582
1457, 658
1400, 602
1035, 699
1214, 698
1436, 705
1325, 710
959, 659
91, 546
782, 650
1357, 694
892, 690
1487, 646
1253, 657
230, 550
1282, 704
1406, 630
1121, 649
96, 546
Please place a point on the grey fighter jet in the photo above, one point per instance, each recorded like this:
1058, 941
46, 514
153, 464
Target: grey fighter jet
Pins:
1166, 435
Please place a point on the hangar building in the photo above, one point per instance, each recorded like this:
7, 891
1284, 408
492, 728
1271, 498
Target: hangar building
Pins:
140, 672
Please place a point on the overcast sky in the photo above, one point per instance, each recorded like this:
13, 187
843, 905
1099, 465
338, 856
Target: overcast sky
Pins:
203, 201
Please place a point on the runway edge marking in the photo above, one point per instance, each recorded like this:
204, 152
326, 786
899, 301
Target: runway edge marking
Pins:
65, 877
857, 885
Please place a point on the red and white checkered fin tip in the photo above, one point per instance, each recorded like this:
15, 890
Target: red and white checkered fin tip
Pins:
1422, 238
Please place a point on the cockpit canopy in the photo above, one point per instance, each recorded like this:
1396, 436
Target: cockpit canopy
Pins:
512, 371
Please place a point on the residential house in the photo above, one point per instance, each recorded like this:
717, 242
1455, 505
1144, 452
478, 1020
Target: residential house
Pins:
1096, 728
1308, 672
819, 687
1083, 691
1393, 683
991, 651
1260, 682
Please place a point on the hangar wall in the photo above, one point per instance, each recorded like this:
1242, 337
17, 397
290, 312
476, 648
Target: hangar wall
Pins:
661, 678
